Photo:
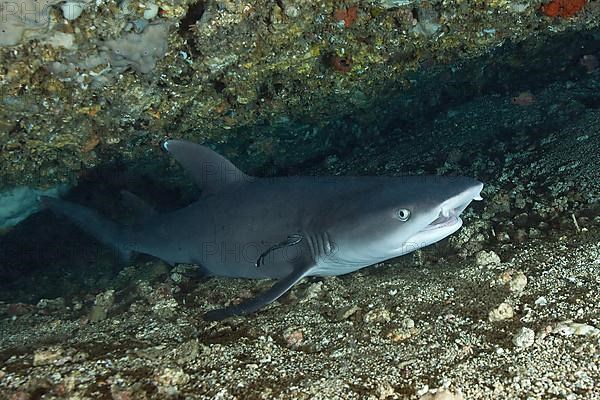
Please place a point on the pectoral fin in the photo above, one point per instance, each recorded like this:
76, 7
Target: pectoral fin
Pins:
261, 300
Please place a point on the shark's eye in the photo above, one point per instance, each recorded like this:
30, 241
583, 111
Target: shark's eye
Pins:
403, 214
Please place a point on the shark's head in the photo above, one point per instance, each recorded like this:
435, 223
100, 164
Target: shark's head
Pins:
400, 215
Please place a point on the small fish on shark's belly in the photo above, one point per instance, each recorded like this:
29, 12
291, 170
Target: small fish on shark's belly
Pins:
284, 228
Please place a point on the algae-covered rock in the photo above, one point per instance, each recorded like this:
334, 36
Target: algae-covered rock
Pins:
21, 17
139, 51
102, 305
256, 79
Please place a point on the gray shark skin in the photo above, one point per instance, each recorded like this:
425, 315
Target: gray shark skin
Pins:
284, 228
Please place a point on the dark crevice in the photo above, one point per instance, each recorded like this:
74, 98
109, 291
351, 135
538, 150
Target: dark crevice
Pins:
193, 15
591, 102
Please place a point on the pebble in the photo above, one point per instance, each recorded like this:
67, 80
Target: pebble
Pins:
401, 334
293, 337
407, 323
502, 312
524, 337
188, 351
51, 304
377, 315
442, 394
178, 278
184, 272
483, 258
106, 298
102, 304
346, 312
518, 283
541, 301
313, 292
150, 11
503, 237
171, 377
291, 11
569, 328
47, 356
516, 280
166, 308
72, 9
384, 390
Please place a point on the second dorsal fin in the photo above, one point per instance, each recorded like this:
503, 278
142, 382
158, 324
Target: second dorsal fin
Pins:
211, 171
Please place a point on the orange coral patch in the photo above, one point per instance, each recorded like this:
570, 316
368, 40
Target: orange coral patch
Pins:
563, 8
91, 144
342, 64
348, 15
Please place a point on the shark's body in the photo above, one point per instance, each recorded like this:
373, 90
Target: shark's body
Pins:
286, 228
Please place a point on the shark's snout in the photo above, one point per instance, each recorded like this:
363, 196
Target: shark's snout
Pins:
450, 210
476, 191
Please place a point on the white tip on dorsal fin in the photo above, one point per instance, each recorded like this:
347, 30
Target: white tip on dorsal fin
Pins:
211, 171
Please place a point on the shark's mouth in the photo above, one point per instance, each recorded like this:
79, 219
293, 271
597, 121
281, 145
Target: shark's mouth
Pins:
445, 224
444, 221
450, 210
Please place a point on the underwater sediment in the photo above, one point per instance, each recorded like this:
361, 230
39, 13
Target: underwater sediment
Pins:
508, 307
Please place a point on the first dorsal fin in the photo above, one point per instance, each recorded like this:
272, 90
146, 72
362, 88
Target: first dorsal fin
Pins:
211, 171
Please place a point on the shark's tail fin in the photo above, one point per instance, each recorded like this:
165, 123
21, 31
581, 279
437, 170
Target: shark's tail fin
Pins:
92, 222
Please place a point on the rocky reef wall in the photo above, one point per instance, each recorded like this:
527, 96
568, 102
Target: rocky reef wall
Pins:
275, 84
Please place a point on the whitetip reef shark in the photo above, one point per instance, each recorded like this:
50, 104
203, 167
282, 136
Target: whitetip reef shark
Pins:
284, 228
